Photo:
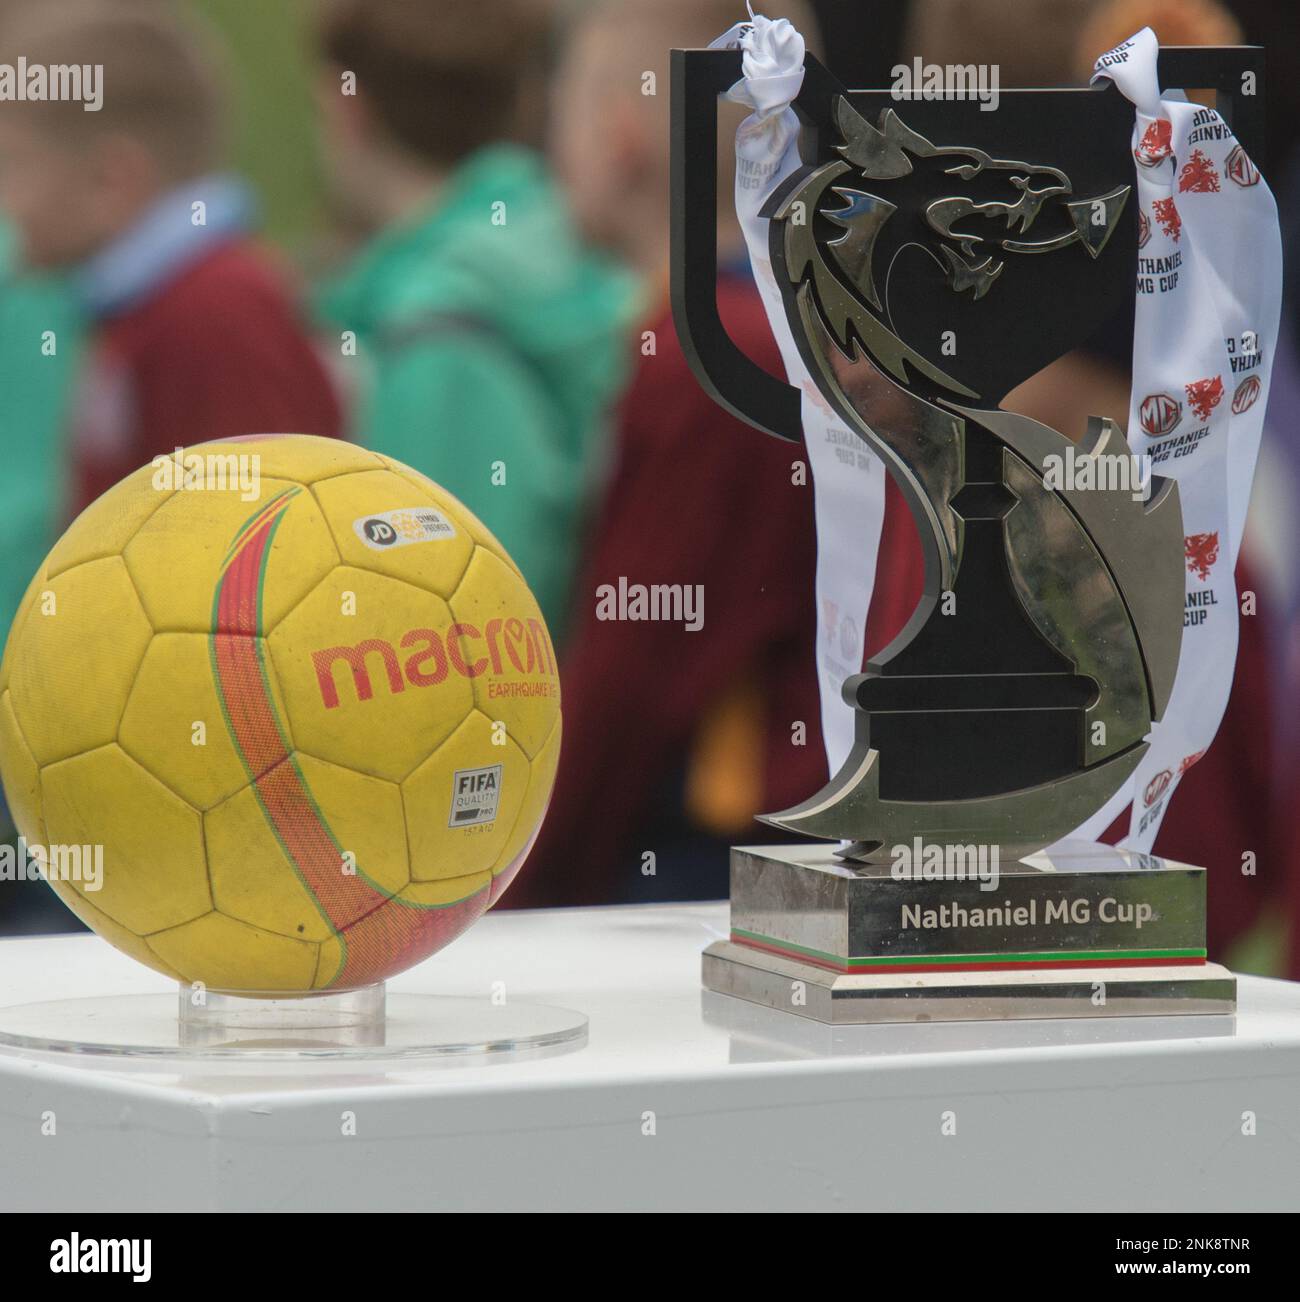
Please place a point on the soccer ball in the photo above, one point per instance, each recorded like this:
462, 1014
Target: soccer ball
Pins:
296, 703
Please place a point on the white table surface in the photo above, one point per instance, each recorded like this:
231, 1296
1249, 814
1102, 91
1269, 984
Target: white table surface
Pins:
678, 1101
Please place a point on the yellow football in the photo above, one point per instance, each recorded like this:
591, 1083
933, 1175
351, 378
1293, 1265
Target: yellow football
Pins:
280, 714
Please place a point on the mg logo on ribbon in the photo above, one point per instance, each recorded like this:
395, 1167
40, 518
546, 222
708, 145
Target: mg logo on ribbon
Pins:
1160, 414
1246, 395
1240, 169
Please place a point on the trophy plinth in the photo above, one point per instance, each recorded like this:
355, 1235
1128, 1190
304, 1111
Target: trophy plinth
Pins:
1087, 931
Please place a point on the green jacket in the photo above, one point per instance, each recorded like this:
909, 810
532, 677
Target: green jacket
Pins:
495, 345
40, 341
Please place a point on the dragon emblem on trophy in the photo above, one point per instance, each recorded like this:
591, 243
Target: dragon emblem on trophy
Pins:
923, 281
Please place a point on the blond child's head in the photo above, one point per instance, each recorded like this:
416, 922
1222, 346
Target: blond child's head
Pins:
74, 175
610, 111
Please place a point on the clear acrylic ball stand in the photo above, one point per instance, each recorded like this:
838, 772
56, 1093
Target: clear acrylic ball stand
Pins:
364, 1024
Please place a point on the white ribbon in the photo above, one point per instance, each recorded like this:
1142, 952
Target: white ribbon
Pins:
848, 481
1208, 304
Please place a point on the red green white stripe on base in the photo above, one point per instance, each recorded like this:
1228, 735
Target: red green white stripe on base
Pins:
969, 962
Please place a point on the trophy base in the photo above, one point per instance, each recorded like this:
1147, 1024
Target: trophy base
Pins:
844, 1000
1088, 931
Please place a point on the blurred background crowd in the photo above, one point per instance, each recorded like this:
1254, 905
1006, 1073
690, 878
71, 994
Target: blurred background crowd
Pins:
352, 278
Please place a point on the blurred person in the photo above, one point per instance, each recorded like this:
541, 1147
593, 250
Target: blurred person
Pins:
193, 334
1033, 42
39, 346
675, 738
40, 343
495, 342
1175, 22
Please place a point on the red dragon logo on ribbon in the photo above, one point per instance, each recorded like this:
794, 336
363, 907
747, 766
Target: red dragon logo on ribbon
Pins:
1203, 396
830, 616
1201, 551
1166, 214
1198, 175
1156, 142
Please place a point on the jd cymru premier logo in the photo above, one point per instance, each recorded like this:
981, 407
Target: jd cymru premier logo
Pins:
416, 524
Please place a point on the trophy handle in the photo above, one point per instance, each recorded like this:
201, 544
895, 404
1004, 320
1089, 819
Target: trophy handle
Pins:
729, 377
1223, 69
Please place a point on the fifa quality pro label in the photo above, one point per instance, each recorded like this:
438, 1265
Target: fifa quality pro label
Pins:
475, 794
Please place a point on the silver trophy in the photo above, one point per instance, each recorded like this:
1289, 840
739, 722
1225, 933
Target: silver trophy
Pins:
1016, 702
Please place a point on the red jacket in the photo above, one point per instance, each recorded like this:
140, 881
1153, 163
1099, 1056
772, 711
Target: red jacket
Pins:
216, 352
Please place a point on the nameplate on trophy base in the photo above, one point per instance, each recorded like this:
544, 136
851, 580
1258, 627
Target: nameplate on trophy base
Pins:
1083, 931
